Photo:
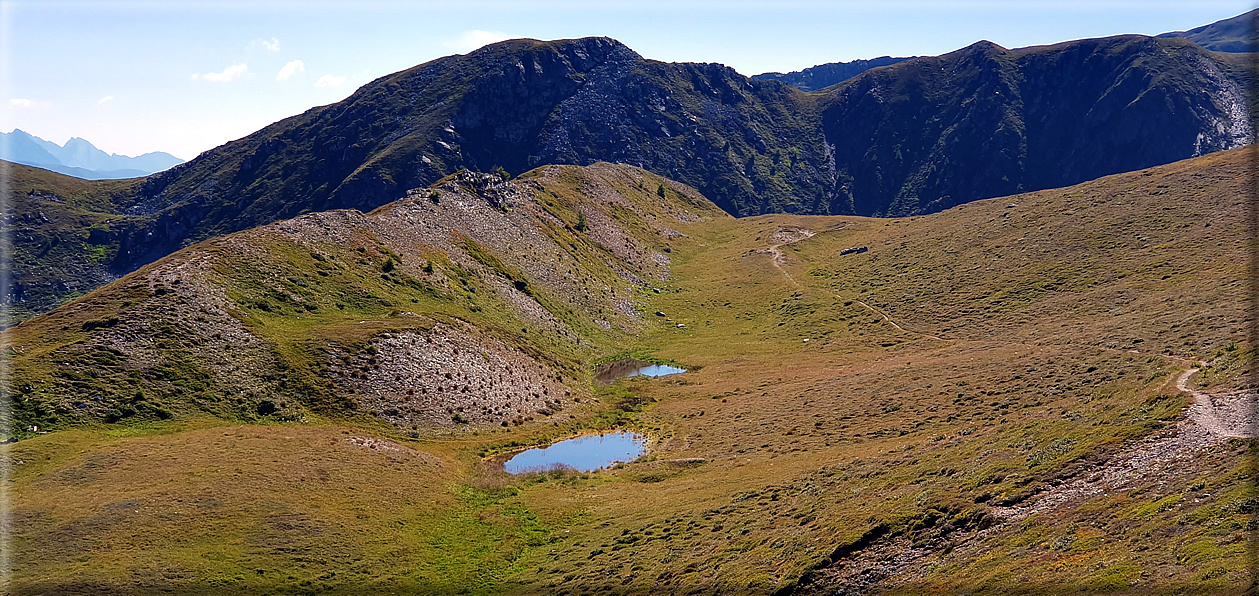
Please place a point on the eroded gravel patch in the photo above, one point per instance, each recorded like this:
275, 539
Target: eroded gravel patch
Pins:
449, 376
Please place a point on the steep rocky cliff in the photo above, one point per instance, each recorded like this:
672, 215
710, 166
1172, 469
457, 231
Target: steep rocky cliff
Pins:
984, 121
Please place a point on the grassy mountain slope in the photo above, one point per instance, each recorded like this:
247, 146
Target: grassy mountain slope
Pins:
1235, 34
60, 230
271, 322
928, 414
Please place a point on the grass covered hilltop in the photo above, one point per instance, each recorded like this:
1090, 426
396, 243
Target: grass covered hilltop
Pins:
1038, 393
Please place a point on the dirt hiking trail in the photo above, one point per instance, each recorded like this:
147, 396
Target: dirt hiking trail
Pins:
787, 235
1212, 419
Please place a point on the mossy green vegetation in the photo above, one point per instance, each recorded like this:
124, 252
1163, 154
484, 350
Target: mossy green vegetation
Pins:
952, 392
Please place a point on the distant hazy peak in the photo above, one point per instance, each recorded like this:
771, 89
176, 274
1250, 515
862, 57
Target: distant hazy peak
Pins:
79, 157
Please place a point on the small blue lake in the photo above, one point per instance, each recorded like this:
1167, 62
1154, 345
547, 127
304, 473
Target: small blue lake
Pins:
583, 454
657, 370
631, 367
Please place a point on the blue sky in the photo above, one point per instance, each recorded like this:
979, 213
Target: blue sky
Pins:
183, 77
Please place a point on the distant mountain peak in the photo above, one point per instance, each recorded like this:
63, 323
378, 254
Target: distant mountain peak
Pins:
984, 45
78, 157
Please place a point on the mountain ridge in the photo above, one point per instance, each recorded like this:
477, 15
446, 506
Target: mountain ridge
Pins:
616, 123
1233, 35
908, 138
831, 73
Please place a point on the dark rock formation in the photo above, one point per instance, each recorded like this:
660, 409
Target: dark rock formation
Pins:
825, 75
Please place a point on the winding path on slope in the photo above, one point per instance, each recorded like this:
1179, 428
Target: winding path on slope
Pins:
1226, 415
786, 235
1212, 419
783, 236
889, 319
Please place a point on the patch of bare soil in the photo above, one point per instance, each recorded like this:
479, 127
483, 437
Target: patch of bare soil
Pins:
790, 235
784, 235
390, 448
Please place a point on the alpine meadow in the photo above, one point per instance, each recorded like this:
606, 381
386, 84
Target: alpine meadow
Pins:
974, 323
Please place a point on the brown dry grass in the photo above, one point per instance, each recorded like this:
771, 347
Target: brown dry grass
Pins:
1028, 348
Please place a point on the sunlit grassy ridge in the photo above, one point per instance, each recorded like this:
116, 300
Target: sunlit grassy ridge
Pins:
968, 363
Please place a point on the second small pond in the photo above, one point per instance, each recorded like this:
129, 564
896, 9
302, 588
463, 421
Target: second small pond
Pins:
631, 367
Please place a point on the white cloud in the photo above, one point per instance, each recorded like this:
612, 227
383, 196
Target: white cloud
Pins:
21, 103
270, 45
107, 98
229, 74
329, 81
471, 40
290, 69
